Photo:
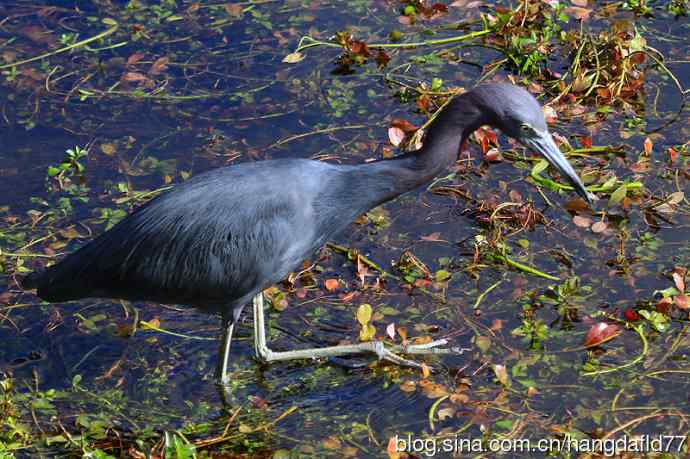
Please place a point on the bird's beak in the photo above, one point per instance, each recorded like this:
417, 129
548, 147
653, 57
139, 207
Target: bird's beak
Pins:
543, 143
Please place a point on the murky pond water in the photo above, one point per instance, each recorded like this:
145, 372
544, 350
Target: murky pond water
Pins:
161, 91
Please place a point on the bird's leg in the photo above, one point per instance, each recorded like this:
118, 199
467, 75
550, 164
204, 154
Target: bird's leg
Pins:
264, 354
228, 326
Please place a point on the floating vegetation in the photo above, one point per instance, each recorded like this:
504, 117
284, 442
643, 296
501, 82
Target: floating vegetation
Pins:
574, 324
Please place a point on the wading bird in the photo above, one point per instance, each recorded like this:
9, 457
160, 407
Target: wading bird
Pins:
219, 239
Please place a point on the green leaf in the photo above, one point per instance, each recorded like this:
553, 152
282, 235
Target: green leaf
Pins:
618, 195
657, 320
442, 275
483, 343
540, 167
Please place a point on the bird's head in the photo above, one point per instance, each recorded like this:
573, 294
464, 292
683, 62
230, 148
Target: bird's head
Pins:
518, 114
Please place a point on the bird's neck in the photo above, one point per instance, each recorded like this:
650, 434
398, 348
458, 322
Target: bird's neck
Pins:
388, 178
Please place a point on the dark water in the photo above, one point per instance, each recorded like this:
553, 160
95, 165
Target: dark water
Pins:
225, 97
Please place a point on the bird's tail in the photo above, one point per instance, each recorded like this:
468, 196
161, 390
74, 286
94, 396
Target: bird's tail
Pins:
30, 281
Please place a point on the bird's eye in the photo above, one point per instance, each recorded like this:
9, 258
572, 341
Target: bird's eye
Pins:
526, 128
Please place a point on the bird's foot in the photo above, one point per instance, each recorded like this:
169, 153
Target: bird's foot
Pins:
420, 349
430, 348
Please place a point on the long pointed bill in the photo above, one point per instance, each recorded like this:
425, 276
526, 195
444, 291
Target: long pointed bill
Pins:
545, 146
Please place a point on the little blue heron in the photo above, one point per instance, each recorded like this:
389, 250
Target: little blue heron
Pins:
219, 239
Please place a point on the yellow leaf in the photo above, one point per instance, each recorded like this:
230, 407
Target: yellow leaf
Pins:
425, 370
332, 443
364, 314
408, 386
108, 148
293, 58
502, 375
367, 332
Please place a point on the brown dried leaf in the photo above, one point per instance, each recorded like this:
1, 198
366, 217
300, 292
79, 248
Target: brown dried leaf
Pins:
433, 390
134, 58
134, 77
433, 237
390, 330
678, 282
599, 227
582, 222
396, 135
515, 196
648, 145
576, 205
675, 198
234, 10
159, 65
502, 375
408, 386
38, 35
404, 125
579, 13
332, 443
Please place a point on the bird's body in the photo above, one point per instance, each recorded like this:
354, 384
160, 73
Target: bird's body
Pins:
220, 238
201, 245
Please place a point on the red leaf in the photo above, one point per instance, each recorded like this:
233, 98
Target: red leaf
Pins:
672, 154
631, 315
382, 58
359, 47
332, 285
423, 102
493, 156
682, 301
664, 305
601, 332
586, 141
